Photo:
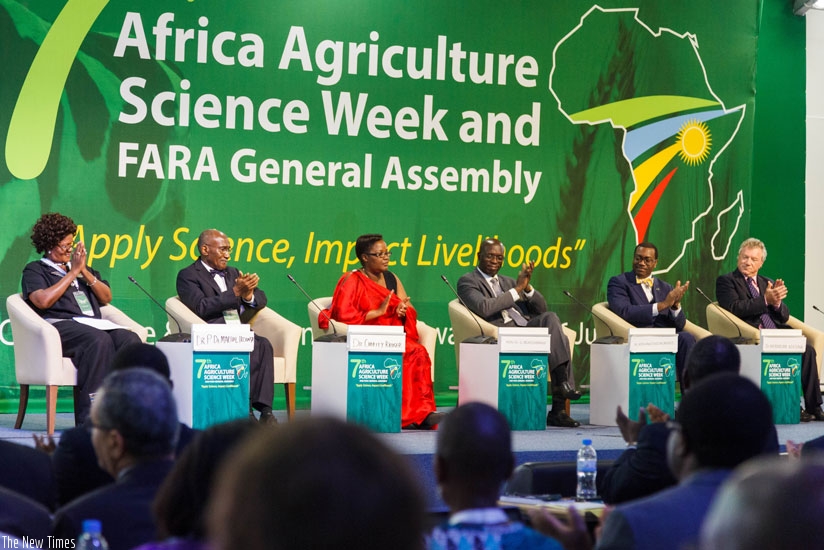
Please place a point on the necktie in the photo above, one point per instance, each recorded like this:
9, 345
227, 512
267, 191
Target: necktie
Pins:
513, 312
766, 320
646, 282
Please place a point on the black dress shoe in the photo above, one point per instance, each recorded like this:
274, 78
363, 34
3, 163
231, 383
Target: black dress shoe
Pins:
561, 419
568, 392
815, 414
432, 420
266, 417
806, 417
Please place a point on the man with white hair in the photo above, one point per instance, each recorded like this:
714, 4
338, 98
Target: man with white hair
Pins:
759, 301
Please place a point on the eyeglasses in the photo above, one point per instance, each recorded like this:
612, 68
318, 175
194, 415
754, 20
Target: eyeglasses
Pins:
224, 249
65, 247
494, 257
380, 254
644, 259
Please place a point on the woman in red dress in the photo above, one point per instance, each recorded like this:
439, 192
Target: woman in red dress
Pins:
373, 295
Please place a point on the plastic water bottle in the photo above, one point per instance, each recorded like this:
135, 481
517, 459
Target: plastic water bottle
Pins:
90, 538
587, 471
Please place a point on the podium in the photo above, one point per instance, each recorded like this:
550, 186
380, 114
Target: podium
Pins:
774, 365
633, 375
361, 380
510, 375
210, 374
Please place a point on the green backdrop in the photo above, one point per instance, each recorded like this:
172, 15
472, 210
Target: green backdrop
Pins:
569, 130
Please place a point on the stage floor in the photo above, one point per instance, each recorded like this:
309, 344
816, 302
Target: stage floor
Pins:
550, 445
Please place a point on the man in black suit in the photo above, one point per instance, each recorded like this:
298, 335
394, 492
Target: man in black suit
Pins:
28, 472
645, 301
759, 301
74, 460
134, 431
218, 293
504, 301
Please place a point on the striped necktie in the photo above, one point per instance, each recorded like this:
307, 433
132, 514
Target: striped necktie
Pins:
766, 320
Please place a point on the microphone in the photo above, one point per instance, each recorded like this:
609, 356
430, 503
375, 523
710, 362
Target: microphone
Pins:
815, 307
738, 340
180, 336
612, 338
334, 337
482, 338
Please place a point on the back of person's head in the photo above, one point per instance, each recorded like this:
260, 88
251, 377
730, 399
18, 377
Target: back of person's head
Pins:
768, 504
724, 420
313, 484
141, 355
138, 403
712, 355
180, 505
474, 448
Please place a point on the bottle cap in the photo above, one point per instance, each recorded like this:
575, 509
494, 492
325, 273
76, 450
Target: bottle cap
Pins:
91, 526
587, 442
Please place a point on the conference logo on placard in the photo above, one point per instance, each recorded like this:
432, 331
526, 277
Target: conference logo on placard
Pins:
394, 368
240, 366
792, 363
666, 364
540, 368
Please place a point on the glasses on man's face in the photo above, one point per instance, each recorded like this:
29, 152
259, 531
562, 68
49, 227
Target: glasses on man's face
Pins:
494, 257
644, 259
224, 250
382, 255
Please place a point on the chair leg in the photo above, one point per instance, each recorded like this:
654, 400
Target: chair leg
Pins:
566, 406
21, 407
289, 389
51, 408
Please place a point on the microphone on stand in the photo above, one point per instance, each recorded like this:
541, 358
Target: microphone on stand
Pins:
334, 337
180, 336
815, 307
738, 340
482, 338
612, 338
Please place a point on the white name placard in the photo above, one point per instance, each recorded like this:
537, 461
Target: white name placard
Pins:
206, 337
781, 340
646, 340
374, 338
524, 339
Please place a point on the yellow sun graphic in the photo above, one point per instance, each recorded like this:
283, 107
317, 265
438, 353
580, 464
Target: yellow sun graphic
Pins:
695, 141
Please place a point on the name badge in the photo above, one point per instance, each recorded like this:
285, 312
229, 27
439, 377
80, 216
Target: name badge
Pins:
83, 302
231, 317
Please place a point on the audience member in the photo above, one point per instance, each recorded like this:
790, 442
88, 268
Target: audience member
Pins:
702, 452
22, 517
28, 472
473, 458
134, 431
75, 463
314, 484
642, 469
507, 302
768, 504
180, 505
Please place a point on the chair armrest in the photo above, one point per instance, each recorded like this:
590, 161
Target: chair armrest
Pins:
111, 313
814, 337
428, 338
283, 334
697, 331
729, 325
185, 316
608, 322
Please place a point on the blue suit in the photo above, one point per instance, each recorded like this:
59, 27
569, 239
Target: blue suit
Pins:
627, 299
671, 518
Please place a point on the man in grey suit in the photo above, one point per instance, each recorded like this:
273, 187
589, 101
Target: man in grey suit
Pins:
504, 301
